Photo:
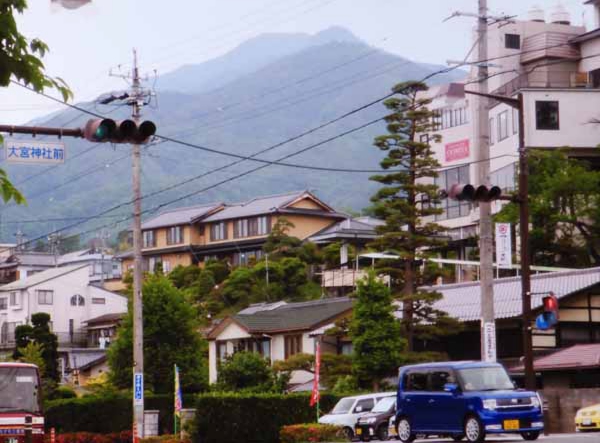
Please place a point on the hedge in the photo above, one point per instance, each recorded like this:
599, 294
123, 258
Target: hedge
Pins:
311, 432
250, 418
106, 415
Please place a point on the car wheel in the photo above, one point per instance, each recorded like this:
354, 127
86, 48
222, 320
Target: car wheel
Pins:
530, 435
348, 433
405, 434
474, 431
458, 437
382, 432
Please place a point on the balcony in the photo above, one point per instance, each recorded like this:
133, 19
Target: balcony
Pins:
548, 79
345, 278
65, 340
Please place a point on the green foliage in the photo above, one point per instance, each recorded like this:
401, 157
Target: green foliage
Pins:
346, 384
64, 392
564, 210
170, 337
219, 268
311, 432
279, 243
32, 353
233, 418
407, 199
333, 366
36, 341
249, 371
375, 333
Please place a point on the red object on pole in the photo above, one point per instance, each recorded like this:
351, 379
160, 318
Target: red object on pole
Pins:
136, 438
315, 396
52, 435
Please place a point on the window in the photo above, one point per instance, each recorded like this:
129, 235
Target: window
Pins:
221, 350
247, 257
546, 115
3, 303
149, 239
259, 226
450, 118
505, 177
98, 301
515, 120
491, 131
437, 379
512, 41
45, 297
445, 180
166, 265
218, 231
364, 405
175, 235
15, 299
417, 381
77, 300
293, 345
240, 228
502, 125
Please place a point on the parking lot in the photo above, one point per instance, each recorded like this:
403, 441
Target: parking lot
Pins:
557, 438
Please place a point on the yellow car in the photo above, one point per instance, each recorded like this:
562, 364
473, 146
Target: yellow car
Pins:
588, 419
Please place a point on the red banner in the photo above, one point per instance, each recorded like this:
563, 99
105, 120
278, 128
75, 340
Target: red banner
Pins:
315, 396
457, 150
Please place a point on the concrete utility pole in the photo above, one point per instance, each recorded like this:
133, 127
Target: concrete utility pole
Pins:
486, 245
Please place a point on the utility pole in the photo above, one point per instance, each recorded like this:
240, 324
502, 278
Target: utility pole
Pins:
486, 245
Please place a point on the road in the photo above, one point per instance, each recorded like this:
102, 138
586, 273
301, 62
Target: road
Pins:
593, 437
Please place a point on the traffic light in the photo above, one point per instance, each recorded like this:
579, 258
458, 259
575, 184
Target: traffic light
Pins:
124, 131
549, 317
465, 192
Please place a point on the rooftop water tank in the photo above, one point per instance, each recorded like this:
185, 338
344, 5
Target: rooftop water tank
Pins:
537, 14
560, 15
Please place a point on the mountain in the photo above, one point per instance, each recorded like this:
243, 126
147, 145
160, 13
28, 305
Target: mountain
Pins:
285, 94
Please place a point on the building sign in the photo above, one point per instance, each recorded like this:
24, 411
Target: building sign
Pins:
457, 150
34, 151
138, 388
503, 246
489, 342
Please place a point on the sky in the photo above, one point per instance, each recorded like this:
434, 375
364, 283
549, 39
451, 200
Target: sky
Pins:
89, 42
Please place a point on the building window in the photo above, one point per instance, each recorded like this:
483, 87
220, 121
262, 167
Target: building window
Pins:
491, 131
240, 228
546, 115
515, 120
98, 301
450, 118
3, 304
221, 350
502, 126
77, 300
218, 231
444, 181
263, 225
505, 177
512, 41
293, 345
14, 299
154, 264
166, 265
175, 235
149, 239
247, 257
45, 297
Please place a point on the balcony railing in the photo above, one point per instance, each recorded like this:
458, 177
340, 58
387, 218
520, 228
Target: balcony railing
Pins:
65, 340
546, 79
345, 278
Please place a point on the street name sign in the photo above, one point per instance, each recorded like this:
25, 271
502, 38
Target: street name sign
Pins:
489, 342
138, 388
34, 152
503, 246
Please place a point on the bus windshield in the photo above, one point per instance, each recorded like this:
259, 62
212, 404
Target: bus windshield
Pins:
19, 389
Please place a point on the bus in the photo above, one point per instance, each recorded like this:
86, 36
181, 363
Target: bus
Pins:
21, 415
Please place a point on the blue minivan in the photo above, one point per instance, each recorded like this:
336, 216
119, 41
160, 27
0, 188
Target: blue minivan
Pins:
464, 400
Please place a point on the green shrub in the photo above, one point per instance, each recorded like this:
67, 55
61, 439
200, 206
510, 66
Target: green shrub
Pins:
252, 418
311, 432
63, 392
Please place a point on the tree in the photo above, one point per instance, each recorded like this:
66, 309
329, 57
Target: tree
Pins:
333, 366
564, 210
48, 341
407, 202
170, 337
32, 353
279, 243
251, 372
375, 333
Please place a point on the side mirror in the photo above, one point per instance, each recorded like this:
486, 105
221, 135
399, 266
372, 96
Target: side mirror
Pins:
358, 409
451, 387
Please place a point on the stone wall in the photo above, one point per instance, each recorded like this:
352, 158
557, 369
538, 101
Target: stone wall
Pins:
563, 405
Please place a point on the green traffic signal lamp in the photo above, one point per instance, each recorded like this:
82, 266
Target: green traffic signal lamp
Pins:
125, 131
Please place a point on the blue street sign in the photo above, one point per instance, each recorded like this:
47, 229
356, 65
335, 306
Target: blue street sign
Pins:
34, 151
138, 388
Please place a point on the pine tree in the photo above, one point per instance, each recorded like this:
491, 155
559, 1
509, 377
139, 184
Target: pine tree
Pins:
407, 202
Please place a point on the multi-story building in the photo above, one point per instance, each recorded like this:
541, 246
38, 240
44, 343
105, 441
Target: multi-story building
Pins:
235, 232
556, 66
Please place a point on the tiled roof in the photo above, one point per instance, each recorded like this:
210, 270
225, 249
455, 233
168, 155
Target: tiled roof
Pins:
35, 258
295, 316
462, 301
346, 227
575, 357
256, 206
106, 318
41, 277
179, 216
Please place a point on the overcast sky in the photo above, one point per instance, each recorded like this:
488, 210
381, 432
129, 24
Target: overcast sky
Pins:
85, 43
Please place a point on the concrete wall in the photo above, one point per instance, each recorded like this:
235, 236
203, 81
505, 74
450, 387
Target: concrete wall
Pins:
563, 405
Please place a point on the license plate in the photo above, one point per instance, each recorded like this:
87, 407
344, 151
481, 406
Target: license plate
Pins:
511, 425
587, 422
12, 440
358, 431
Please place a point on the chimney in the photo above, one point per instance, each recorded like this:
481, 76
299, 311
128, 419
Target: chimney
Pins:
537, 14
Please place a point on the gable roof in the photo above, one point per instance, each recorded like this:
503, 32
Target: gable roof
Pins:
462, 301
267, 205
289, 317
180, 216
583, 356
33, 258
41, 277
349, 228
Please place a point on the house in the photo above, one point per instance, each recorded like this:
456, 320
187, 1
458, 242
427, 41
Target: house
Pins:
22, 264
102, 330
102, 267
553, 63
233, 232
278, 331
65, 293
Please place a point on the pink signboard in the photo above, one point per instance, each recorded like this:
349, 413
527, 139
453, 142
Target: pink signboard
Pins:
457, 150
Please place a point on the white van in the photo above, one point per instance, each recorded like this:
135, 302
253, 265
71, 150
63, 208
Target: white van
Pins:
347, 411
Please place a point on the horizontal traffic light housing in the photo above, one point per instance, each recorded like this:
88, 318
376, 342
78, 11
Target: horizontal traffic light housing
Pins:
103, 130
468, 192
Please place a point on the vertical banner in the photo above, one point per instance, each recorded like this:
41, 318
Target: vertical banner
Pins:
489, 342
178, 400
315, 396
503, 246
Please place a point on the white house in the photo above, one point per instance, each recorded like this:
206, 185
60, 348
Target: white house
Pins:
279, 330
66, 294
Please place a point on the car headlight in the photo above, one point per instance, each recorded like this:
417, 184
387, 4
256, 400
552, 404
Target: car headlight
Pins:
490, 404
368, 421
535, 401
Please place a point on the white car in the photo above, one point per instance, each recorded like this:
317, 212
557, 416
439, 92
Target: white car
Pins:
347, 411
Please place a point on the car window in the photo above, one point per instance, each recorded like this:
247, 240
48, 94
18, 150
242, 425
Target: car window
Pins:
439, 377
491, 378
417, 381
384, 404
343, 406
366, 405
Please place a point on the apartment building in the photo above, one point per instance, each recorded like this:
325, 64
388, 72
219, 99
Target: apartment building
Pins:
556, 66
234, 232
